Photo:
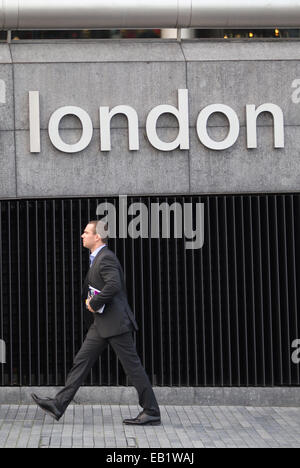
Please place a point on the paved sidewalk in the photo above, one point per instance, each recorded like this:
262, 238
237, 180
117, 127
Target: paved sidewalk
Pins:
182, 427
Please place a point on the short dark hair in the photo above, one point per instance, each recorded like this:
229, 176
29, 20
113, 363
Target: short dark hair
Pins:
101, 228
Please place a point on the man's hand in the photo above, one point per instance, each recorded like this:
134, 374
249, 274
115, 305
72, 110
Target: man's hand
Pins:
88, 306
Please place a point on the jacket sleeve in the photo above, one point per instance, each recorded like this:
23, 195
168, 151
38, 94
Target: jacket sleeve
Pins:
108, 269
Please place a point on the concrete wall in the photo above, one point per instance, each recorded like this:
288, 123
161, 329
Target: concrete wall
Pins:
144, 75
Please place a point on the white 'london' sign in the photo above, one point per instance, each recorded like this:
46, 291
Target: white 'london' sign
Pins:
181, 113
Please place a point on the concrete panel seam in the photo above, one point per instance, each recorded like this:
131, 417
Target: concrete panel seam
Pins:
14, 114
186, 85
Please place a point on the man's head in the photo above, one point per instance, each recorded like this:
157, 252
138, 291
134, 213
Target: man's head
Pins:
95, 234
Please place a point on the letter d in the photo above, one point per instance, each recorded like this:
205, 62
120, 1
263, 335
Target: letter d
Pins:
181, 114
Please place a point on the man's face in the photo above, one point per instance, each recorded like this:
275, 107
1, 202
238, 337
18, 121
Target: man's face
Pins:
89, 238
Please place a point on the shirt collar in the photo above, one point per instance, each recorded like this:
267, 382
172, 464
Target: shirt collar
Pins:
95, 253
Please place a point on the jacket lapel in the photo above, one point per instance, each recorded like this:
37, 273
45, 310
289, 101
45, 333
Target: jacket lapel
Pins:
86, 280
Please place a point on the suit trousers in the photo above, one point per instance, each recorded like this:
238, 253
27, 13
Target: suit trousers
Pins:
125, 349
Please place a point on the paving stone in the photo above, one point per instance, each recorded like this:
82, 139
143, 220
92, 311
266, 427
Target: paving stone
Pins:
26, 426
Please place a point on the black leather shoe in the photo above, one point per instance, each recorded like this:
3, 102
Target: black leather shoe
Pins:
48, 405
142, 419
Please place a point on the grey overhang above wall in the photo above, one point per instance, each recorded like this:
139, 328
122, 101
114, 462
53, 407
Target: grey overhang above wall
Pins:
148, 51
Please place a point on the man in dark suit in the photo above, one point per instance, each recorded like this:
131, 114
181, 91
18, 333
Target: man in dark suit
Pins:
112, 325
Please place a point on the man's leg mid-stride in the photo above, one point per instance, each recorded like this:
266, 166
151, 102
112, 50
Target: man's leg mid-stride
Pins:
86, 357
125, 349
91, 349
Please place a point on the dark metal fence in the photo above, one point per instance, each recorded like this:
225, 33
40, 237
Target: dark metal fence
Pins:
224, 315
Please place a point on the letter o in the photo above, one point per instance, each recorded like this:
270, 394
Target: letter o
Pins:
234, 127
87, 129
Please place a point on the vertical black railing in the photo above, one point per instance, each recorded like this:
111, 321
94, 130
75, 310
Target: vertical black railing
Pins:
222, 315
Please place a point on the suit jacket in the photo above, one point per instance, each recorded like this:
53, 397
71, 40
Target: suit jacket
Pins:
106, 274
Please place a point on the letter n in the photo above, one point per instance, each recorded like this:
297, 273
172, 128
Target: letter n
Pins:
105, 126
